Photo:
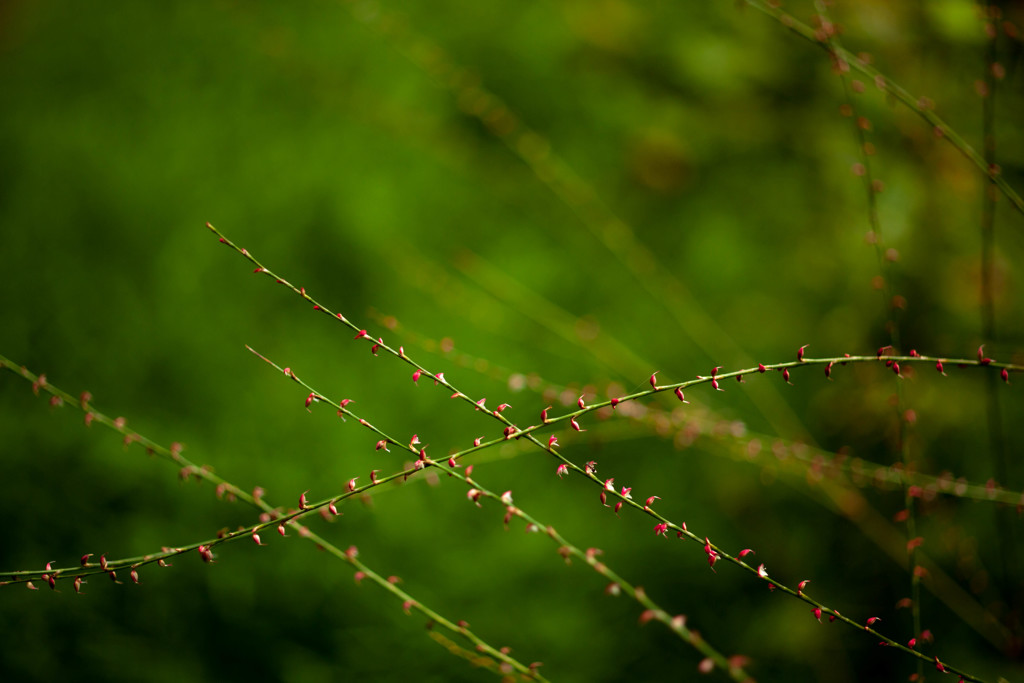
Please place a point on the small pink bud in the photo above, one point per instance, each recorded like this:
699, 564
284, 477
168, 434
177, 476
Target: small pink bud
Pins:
1005, 374
469, 470
801, 586
256, 539
439, 379
382, 445
352, 484
615, 402
407, 606
552, 441
650, 500
280, 529
625, 493
478, 440
714, 384
745, 552
576, 425
761, 368
817, 613
785, 376
415, 440
647, 616
359, 576
680, 396
78, 584
501, 408
604, 498
581, 403
452, 463
480, 404
376, 347
800, 353
981, 356
362, 333
872, 620
911, 643
762, 571
938, 366
938, 666
618, 506
609, 485
135, 575
302, 500
896, 369
828, 370
85, 559
506, 498
416, 375
474, 495
373, 476
103, 562
563, 469
544, 415
654, 380
661, 529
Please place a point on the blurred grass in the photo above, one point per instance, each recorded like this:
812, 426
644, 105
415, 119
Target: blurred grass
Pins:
304, 134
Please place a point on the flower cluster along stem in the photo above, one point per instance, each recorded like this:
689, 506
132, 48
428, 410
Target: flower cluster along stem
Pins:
883, 356
275, 519
677, 624
920, 106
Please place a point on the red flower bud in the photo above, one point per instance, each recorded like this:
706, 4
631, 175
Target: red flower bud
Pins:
761, 368
562, 470
679, 395
416, 375
576, 425
817, 613
800, 353
654, 380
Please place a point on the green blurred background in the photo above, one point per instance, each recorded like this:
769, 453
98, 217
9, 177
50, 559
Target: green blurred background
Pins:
351, 148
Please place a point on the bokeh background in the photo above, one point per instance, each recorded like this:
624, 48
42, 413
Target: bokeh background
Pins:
540, 200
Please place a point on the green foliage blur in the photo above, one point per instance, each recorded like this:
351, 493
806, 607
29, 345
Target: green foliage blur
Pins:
321, 137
